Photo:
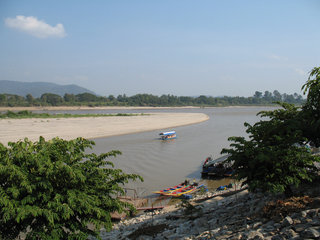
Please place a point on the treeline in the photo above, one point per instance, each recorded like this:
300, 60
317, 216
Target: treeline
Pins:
88, 99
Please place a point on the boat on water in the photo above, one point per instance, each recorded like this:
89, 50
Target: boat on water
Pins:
186, 190
168, 135
171, 189
219, 167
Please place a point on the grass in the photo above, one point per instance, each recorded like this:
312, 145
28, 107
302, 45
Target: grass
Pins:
29, 114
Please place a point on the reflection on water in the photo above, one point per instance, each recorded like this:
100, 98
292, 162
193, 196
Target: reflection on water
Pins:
166, 163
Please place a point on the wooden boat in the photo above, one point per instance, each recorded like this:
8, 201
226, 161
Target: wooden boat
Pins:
219, 167
171, 189
168, 135
186, 190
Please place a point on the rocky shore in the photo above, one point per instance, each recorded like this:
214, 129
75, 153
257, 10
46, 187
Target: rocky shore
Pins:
228, 214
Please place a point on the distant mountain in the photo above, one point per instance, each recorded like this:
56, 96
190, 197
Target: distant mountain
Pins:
36, 89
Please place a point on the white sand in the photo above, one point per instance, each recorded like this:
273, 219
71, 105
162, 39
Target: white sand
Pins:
92, 127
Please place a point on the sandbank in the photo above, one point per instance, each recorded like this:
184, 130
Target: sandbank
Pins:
92, 127
61, 108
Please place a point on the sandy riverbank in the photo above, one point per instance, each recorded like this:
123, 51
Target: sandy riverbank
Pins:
92, 127
68, 108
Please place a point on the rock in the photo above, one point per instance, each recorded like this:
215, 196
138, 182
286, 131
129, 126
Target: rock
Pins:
303, 214
277, 225
278, 237
291, 234
222, 237
230, 221
238, 236
268, 228
268, 238
255, 235
287, 221
307, 220
257, 224
296, 221
200, 224
315, 222
215, 231
312, 213
175, 236
311, 233
144, 237
300, 227
184, 228
167, 233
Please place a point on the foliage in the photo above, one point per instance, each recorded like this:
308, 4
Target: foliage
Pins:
311, 109
54, 190
29, 114
89, 99
51, 99
275, 157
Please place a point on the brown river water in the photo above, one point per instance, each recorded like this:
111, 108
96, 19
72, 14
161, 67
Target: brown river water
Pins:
166, 163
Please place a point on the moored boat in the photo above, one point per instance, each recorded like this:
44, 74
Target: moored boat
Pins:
219, 167
170, 189
189, 189
168, 135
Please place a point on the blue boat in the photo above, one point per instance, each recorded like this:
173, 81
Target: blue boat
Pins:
168, 135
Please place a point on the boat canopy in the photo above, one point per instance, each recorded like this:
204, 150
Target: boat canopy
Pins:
167, 133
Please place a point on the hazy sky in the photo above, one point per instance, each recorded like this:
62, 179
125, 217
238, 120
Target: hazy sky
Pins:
178, 47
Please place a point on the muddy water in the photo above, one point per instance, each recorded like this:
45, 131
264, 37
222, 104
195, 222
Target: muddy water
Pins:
166, 163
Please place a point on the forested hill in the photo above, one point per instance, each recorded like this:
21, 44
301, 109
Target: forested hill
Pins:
36, 89
89, 99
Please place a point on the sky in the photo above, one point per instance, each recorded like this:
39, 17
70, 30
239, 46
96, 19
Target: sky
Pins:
179, 47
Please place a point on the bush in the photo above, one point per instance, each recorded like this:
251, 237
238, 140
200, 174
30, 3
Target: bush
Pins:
54, 190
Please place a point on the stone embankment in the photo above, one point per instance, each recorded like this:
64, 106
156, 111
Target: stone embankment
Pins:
232, 215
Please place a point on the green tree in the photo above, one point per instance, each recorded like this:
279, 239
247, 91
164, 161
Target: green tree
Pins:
30, 99
3, 100
86, 97
111, 98
257, 94
70, 98
267, 96
54, 190
274, 158
311, 109
52, 99
277, 96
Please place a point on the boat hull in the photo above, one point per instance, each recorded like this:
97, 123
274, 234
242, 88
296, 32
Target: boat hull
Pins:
171, 189
187, 190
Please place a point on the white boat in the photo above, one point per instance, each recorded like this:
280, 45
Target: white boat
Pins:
168, 135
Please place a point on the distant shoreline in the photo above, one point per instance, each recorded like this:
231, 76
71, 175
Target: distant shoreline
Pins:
73, 108
92, 127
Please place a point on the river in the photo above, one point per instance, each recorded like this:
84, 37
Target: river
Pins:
166, 163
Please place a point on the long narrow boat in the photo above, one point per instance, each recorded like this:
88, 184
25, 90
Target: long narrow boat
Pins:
168, 135
182, 191
171, 189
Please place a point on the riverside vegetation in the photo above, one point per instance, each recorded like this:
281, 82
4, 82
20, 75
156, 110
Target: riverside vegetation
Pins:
55, 190
89, 99
29, 114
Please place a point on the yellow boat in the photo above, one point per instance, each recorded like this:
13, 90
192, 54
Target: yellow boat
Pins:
182, 191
